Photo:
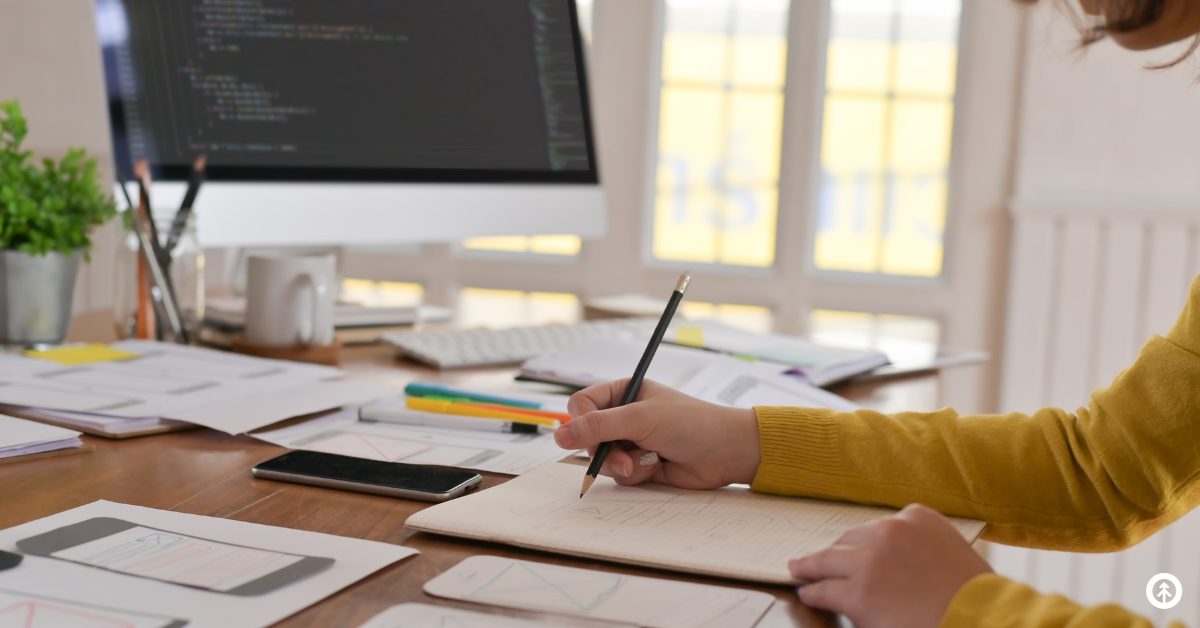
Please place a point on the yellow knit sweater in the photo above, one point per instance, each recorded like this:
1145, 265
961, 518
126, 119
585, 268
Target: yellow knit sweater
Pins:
1099, 480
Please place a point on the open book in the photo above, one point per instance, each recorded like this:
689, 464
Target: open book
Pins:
729, 532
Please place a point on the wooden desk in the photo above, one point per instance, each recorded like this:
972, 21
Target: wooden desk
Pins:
205, 472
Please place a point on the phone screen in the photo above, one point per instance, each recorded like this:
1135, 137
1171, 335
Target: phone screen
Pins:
359, 470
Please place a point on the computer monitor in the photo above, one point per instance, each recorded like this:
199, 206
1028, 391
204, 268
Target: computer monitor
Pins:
357, 121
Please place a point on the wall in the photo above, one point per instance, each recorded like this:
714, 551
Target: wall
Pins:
1106, 215
50, 62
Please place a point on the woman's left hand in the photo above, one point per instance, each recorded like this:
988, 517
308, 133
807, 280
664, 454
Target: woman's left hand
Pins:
900, 571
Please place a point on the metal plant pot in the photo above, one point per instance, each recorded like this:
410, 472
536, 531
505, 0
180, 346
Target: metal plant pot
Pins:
35, 297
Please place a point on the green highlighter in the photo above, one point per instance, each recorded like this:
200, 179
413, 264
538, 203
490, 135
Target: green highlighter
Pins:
443, 393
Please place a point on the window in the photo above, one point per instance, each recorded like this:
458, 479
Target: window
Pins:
885, 152
479, 307
719, 131
750, 318
382, 293
906, 339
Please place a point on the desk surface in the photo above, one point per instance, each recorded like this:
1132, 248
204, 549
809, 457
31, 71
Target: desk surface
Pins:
205, 472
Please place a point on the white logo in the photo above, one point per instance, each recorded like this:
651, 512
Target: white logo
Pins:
1164, 590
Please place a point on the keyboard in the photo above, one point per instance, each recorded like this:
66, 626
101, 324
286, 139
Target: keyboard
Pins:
496, 347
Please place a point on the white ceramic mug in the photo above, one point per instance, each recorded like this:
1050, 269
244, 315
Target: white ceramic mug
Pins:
289, 300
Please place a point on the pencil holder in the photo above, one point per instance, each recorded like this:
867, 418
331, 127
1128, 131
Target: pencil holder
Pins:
186, 270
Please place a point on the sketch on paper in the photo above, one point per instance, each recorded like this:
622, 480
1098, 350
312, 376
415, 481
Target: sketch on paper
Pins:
537, 585
22, 610
178, 559
427, 616
369, 446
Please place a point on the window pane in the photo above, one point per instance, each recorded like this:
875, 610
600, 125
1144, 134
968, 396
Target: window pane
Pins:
885, 151
381, 293
750, 318
496, 309
542, 245
720, 122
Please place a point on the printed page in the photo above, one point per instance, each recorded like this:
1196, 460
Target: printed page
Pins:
23, 610
595, 594
728, 532
739, 384
344, 434
426, 616
177, 558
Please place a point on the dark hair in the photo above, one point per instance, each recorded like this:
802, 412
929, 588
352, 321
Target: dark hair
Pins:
1122, 16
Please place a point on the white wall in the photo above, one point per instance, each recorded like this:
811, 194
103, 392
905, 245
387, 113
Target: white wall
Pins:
50, 62
1106, 215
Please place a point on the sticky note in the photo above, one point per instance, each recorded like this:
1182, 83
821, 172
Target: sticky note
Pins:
82, 354
690, 336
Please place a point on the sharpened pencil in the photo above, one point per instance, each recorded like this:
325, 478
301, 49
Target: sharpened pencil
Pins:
639, 374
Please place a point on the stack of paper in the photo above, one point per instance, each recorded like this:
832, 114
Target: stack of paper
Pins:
19, 437
154, 382
820, 364
703, 374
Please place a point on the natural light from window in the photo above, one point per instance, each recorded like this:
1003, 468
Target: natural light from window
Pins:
720, 123
885, 153
497, 309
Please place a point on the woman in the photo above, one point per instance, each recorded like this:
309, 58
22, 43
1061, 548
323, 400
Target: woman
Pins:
1099, 480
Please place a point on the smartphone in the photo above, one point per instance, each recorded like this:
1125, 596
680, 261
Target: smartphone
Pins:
137, 550
393, 479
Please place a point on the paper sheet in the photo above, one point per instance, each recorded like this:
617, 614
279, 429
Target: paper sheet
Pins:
228, 392
729, 532
596, 362
595, 594
426, 616
342, 433
736, 383
355, 559
19, 609
19, 437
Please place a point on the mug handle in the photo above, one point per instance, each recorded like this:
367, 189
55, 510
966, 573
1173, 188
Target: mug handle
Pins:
311, 334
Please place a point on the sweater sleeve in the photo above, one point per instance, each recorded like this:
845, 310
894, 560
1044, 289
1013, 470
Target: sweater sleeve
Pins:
1101, 479
991, 601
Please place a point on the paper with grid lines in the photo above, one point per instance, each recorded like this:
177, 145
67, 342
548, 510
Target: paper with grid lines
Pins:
728, 532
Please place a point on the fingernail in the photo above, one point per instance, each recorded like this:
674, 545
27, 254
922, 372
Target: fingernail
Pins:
627, 470
565, 435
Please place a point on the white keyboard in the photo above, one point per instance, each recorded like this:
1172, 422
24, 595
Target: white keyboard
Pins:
494, 347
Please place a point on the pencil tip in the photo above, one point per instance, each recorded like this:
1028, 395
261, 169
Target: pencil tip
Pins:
587, 483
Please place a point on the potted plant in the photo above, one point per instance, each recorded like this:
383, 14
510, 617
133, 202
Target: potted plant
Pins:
46, 216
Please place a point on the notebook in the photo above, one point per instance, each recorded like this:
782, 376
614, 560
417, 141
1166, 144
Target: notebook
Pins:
728, 532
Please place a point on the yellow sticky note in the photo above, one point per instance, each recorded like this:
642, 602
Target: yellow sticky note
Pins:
82, 354
690, 336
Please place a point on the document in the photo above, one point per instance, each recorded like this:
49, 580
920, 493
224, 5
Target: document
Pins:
19, 609
343, 433
19, 437
227, 392
601, 595
354, 559
426, 616
736, 383
728, 532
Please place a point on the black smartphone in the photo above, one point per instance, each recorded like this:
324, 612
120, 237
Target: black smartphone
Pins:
393, 479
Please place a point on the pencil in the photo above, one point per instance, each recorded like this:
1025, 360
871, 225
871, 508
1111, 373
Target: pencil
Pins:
185, 208
635, 383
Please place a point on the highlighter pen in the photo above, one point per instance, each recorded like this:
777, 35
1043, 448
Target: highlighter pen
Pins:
558, 416
404, 416
639, 373
426, 390
470, 409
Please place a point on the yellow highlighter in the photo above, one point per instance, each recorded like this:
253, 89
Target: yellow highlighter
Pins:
470, 409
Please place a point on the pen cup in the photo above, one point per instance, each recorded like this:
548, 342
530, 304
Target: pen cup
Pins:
187, 275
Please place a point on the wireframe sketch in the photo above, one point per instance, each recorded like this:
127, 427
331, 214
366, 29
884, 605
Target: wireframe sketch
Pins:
369, 446
108, 378
545, 586
22, 610
426, 616
18, 394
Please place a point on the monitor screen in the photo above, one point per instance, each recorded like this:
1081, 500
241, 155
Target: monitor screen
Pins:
349, 90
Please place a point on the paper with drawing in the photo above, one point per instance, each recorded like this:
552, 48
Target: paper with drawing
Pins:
595, 594
426, 616
19, 609
50, 577
344, 434
729, 532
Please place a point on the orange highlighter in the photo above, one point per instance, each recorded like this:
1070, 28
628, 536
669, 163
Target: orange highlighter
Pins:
486, 411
